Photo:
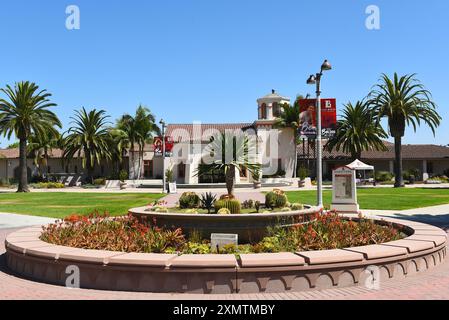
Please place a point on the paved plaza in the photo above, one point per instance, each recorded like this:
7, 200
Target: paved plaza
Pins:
429, 285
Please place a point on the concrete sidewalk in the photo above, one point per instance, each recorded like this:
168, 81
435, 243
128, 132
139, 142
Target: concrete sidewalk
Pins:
11, 220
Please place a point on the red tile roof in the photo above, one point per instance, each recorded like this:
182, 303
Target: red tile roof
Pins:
409, 152
185, 132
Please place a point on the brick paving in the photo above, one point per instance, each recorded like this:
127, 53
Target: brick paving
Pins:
432, 284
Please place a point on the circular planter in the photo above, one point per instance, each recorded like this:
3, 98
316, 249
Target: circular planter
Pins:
249, 227
32, 258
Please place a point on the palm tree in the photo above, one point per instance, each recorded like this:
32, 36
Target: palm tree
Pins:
230, 153
139, 130
289, 118
40, 145
25, 112
357, 131
87, 138
118, 143
403, 101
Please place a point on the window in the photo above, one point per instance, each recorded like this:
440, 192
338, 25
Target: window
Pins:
66, 169
263, 111
430, 167
76, 169
276, 110
243, 172
49, 169
148, 168
181, 170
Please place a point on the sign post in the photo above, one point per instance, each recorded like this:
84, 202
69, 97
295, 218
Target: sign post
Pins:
344, 191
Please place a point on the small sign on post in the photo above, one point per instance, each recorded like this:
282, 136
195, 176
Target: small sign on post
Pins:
344, 191
218, 240
172, 187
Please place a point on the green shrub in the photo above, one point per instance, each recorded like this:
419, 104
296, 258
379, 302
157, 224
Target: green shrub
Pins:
384, 176
191, 211
207, 201
286, 209
161, 210
123, 175
189, 200
49, 185
233, 205
248, 204
297, 206
100, 182
276, 199
224, 211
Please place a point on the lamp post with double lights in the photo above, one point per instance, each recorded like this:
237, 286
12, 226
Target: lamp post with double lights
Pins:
316, 80
163, 126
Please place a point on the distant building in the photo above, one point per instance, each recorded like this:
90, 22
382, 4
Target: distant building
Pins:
428, 159
277, 154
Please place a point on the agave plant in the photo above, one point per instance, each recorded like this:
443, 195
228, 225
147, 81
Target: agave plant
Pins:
207, 201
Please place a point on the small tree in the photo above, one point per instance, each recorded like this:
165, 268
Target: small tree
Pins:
230, 153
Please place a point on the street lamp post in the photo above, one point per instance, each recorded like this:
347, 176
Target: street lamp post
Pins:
162, 122
316, 79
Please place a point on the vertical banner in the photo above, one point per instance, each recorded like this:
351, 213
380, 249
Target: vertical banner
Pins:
157, 146
308, 120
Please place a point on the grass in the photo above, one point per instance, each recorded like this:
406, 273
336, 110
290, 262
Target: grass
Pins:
382, 198
62, 204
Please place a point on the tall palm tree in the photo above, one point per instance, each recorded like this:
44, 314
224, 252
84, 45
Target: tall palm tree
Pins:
357, 131
403, 101
230, 153
87, 138
289, 118
118, 143
39, 147
139, 129
25, 112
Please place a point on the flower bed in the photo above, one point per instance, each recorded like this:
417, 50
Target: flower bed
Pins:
128, 234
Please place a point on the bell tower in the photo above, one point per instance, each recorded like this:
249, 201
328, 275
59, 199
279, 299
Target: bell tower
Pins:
269, 108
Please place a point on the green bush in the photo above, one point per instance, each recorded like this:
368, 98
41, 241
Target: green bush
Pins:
100, 182
123, 175
384, 176
297, 206
189, 200
276, 199
49, 185
232, 205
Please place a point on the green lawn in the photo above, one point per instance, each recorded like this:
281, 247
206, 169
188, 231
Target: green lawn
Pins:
382, 198
62, 204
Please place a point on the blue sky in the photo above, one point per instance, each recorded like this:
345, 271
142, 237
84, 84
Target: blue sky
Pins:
210, 60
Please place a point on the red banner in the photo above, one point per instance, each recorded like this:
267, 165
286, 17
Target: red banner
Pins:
308, 119
157, 146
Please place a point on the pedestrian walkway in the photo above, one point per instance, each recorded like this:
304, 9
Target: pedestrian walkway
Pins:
10, 220
432, 284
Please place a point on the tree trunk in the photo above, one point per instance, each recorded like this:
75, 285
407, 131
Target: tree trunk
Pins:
230, 180
398, 162
295, 163
23, 168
